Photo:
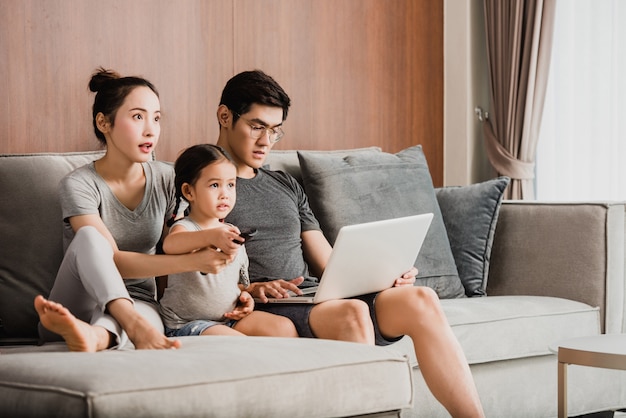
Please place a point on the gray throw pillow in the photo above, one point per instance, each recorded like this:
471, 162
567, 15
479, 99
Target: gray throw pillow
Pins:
470, 214
371, 186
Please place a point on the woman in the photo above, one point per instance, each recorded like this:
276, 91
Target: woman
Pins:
114, 212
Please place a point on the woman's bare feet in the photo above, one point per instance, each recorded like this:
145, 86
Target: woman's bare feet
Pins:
140, 331
145, 337
78, 335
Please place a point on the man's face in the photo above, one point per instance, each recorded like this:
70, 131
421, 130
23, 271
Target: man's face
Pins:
250, 153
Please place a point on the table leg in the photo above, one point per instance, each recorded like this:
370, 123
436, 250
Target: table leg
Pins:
562, 385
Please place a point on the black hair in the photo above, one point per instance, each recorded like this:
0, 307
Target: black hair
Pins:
253, 87
111, 90
188, 166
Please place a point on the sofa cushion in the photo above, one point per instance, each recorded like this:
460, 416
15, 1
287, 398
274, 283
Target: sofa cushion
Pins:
30, 220
470, 214
370, 186
287, 160
499, 328
264, 377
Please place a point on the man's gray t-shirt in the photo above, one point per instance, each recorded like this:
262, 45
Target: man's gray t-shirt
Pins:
275, 252
193, 296
84, 192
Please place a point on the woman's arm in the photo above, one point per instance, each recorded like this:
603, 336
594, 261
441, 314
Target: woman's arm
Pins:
181, 241
138, 265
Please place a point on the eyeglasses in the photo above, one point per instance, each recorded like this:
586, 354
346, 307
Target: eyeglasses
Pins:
258, 131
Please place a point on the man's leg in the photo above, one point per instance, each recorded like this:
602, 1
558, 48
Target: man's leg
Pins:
260, 323
345, 320
415, 311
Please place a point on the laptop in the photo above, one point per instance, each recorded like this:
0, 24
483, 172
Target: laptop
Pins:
367, 258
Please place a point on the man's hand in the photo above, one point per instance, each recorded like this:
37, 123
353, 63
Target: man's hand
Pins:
244, 307
275, 288
407, 279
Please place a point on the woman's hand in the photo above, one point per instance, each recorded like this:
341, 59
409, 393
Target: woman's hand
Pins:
407, 279
275, 288
244, 307
211, 260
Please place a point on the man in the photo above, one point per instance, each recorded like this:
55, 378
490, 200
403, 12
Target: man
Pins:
290, 250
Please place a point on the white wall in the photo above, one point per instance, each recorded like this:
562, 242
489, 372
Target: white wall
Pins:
466, 86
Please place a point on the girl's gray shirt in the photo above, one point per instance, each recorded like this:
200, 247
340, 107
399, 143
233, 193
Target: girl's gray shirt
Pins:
193, 296
84, 192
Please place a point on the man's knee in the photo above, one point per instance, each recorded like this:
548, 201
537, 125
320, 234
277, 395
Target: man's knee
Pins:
356, 312
347, 319
286, 328
423, 300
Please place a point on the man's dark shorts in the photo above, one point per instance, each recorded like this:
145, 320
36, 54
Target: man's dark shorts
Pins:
299, 313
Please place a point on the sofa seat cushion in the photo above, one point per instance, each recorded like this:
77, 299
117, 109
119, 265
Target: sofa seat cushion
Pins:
209, 376
497, 328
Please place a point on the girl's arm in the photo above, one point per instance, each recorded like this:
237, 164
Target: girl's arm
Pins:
181, 241
138, 265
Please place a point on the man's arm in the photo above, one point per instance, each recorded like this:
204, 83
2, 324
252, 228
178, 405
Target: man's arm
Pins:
316, 251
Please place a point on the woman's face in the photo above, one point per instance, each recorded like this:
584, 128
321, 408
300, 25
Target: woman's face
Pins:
137, 128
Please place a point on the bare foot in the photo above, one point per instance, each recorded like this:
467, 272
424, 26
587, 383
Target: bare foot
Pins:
78, 335
145, 337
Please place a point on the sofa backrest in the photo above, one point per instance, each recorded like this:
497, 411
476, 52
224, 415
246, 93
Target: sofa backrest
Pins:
287, 160
30, 221
31, 249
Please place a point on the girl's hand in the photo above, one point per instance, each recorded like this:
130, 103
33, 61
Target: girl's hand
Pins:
275, 288
407, 279
223, 238
244, 307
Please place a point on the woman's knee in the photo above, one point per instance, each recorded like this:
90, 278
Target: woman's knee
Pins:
89, 238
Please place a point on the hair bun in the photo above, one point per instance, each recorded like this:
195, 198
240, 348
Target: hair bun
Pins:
100, 77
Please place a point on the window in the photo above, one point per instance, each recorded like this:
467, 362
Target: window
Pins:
581, 151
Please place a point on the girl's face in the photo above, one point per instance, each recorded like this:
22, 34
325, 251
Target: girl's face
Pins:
137, 127
213, 195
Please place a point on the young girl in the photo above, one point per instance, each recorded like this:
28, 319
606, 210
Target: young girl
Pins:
114, 210
197, 303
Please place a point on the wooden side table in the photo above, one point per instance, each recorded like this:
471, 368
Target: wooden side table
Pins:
607, 351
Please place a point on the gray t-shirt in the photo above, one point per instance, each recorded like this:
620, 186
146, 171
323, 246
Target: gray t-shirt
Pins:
193, 296
84, 192
274, 203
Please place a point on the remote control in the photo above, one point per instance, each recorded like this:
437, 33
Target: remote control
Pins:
246, 234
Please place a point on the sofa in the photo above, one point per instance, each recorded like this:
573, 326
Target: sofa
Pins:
530, 273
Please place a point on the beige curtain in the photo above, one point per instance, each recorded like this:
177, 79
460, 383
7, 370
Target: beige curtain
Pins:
519, 40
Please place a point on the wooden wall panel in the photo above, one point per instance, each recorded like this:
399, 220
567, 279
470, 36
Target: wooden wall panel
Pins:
50, 49
360, 72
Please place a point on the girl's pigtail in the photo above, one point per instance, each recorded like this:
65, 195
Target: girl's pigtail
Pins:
172, 219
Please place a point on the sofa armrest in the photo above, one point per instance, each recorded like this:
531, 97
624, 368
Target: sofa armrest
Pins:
569, 250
